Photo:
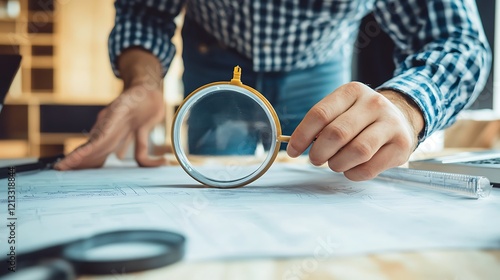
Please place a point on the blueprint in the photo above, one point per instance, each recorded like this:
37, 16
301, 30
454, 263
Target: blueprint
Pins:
293, 210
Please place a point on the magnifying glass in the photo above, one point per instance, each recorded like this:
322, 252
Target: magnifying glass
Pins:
113, 252
231, 128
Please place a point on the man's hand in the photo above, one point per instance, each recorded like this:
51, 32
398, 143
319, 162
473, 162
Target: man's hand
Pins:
359, 131
132, 115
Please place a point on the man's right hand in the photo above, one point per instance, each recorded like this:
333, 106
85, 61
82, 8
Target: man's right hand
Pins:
132, 114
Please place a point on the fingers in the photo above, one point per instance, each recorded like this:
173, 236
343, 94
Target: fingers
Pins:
388, 156
123, 147
358, 131
105, 136
361, 149
339, 133
162, 149
141, 149
81, 157
322, 114
93, 153
130, 115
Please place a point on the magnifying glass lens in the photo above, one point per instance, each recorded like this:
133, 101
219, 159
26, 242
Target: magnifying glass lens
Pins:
227, 134
124, 251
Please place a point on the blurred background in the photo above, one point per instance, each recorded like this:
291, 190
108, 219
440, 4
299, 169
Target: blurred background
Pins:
65, 77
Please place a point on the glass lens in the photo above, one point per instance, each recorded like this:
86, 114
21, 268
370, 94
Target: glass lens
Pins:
224, 135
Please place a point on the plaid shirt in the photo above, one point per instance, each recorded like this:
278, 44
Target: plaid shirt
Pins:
442, 56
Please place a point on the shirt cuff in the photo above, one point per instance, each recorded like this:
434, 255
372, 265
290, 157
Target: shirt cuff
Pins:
157, 44
424, 93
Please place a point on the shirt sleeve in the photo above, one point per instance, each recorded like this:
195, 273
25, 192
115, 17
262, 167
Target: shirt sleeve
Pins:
442, 55
148, 24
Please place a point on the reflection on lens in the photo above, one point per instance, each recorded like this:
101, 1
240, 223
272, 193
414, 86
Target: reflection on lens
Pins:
124, 251
231, 128
226, 123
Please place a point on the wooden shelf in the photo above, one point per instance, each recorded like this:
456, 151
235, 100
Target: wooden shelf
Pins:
12, 39
42, 39
14, 148
7, 27
49, 98
42, 61
58, 138
5, 19
65, 63
41, 16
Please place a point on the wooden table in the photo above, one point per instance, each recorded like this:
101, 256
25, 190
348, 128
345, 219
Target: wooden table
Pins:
429, 265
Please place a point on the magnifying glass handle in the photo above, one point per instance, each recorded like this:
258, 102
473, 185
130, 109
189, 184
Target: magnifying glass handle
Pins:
284, 138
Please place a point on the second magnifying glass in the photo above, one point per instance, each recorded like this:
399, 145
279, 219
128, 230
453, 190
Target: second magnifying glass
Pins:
226, 134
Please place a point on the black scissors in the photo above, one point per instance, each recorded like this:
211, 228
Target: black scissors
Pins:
66, 261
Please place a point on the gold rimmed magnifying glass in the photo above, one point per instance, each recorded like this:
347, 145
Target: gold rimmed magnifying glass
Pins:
232, 127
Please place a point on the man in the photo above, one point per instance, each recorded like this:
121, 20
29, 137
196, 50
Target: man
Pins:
297, 52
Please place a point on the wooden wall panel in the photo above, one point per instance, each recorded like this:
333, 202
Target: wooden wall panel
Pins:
83, 63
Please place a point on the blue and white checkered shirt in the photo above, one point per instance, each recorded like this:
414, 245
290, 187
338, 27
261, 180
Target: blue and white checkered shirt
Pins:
442, 56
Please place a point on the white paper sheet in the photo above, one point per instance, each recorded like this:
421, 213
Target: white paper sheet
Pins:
292, 210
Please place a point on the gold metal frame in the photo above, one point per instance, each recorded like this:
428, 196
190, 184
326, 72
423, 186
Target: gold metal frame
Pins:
236, 81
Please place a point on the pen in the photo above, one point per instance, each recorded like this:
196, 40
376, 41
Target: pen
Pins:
42, 164
465, 185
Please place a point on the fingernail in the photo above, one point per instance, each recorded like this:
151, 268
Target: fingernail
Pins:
291, 151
